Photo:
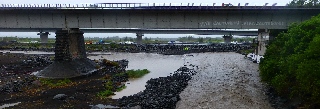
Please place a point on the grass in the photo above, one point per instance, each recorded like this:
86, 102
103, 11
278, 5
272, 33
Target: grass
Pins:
137, 73
105, 93
55, 82
121, 88
109, 88
110, 63
120, 74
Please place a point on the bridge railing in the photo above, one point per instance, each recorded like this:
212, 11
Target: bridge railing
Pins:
140, 6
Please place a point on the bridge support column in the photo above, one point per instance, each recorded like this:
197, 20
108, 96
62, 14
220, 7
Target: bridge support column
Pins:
139, 38
43, 37
70, 56
227, 38
263, 38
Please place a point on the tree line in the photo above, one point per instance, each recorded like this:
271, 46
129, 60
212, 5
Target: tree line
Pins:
291, 64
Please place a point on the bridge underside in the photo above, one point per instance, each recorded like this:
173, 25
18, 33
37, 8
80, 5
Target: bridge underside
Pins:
144, 31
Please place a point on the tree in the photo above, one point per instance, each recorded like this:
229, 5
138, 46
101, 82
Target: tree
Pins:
125, 38
200, 40
292, 64
304, 3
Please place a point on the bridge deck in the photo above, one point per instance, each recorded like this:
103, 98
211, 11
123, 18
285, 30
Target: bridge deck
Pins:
166, 6
151, 16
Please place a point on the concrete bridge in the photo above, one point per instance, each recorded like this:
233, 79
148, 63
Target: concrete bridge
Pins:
67, 19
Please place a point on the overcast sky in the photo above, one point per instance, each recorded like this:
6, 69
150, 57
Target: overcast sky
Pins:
251, 2
218, 2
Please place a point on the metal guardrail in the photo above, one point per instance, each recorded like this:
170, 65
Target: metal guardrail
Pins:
142, 6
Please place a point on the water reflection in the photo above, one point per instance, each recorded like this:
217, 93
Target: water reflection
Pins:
9, 105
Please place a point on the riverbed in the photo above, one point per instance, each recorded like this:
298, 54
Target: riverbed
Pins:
224, 81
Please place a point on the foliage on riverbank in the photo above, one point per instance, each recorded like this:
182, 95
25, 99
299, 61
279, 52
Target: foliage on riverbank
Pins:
55, 82
292, 65
111, 87
108, 89
137, 73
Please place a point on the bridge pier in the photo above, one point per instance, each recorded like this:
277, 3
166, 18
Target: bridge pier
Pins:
70, 56
227, 38
263, 39
43, 37
139, 38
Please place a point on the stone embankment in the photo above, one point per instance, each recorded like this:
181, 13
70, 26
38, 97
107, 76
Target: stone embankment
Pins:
167, 49
160, 93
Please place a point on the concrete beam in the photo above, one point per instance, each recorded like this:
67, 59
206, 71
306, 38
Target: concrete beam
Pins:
139, 38
263, 39
234, 18
145, 31
227, 38
43, 37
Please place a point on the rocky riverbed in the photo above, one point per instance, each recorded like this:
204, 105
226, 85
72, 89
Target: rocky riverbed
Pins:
206, 80
224, 81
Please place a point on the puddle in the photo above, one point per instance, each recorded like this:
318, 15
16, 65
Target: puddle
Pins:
9, 105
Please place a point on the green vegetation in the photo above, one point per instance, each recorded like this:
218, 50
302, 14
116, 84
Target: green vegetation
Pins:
105, 93
304, 3
110, 86
121, 88
54, 82
292, 64
110, 63
137, 73
108, 89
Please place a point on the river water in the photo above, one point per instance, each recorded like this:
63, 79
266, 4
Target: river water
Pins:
159, 66
224, 80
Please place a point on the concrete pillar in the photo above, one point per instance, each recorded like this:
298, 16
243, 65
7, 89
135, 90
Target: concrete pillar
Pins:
77, 44
263, 38
139, 38
43, 37
62, 46
70, 56
227, 39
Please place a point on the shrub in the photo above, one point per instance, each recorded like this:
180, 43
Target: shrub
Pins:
137, 73
292, 65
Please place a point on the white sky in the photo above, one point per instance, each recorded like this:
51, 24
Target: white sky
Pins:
251, 2
218, 2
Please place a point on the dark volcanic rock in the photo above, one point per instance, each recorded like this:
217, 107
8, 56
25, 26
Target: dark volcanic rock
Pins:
60, 96
160, 93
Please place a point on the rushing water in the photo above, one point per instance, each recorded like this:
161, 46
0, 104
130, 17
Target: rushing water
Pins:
159, 65
224, 81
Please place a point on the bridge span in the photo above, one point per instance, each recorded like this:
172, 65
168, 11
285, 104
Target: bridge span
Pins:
155, 17
70, 54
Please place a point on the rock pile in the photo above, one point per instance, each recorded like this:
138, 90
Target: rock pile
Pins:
160, 93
